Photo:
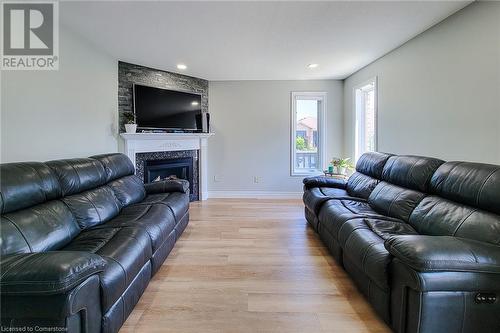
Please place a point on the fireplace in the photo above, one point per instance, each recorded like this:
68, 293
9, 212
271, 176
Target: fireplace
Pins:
141, 147
156, 166
181, 168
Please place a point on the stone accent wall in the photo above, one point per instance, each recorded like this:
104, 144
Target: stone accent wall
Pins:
165, 155
128, 74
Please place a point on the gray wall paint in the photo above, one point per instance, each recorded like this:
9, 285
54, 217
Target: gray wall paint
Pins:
251, 121
71, 112
128, 74
439, 93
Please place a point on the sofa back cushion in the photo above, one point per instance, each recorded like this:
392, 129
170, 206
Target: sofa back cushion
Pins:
45, 205
127, 187
96, 188
360, 185
473, 184
394, 201
368, 173
405, 181
441, 217
466, 203
93, 207
45, 227
128, 190
116, 165
372, 164
32, 218
26, 184
413, 172
78, 175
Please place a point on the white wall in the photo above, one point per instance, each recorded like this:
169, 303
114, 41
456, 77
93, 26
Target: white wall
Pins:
439, 94
71, 112
251, 121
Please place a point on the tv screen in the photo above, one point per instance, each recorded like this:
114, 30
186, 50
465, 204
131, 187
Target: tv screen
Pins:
157, 108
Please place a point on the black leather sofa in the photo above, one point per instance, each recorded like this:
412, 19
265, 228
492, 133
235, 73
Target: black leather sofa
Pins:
80, 240
420, 238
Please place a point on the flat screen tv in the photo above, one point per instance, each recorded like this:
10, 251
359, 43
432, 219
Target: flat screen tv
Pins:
162, 109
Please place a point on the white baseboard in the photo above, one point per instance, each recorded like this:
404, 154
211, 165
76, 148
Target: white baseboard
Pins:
254, 194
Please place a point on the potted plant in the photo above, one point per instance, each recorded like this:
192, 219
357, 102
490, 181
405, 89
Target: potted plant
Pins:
130, 125
343, 165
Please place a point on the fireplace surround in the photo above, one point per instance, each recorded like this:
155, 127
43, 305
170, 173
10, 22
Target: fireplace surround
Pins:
140, 147
183, 164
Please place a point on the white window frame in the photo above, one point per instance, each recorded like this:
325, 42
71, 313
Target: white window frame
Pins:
359, 117
312, 95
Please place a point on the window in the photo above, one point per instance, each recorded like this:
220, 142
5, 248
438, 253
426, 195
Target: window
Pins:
366, 117
307, 133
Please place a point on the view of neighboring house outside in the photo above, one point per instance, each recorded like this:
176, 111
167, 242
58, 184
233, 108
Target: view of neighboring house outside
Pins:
307, 129
307, 142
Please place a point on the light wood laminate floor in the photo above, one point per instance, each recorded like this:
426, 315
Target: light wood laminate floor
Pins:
251, 266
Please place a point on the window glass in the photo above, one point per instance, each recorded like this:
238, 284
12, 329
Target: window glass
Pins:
307, 112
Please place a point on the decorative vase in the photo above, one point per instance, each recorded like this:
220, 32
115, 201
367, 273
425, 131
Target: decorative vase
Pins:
130, 128
342, 170
330, 168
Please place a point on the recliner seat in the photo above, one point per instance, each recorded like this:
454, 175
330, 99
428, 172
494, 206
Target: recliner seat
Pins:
93, 235
424, 219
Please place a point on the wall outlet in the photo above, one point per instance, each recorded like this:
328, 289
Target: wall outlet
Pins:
257, 179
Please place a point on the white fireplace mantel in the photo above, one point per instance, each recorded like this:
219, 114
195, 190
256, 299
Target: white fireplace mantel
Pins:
157, 142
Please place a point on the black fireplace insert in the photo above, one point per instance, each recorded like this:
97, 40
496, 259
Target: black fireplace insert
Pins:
181, 168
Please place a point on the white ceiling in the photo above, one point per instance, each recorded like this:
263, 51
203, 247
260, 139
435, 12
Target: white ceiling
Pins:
253, 40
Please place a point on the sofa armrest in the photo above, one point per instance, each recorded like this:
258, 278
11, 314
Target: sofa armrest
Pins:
322, 181
167, 185
444, 253
47, 273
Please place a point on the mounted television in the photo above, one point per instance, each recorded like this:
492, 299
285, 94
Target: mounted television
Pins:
162, 109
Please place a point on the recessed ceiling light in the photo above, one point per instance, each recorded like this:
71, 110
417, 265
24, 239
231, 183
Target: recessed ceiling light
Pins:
182, 66
312, 65
195, 103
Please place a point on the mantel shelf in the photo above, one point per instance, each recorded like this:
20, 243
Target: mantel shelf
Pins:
164, 136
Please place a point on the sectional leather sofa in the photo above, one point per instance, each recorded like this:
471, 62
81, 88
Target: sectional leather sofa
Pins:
419, 236
80, 240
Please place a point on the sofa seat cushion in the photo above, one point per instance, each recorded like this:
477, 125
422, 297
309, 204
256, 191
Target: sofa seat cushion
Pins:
385, 229
333, 192
125, 250
157, 220
177, 202
335, 213
317, 196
